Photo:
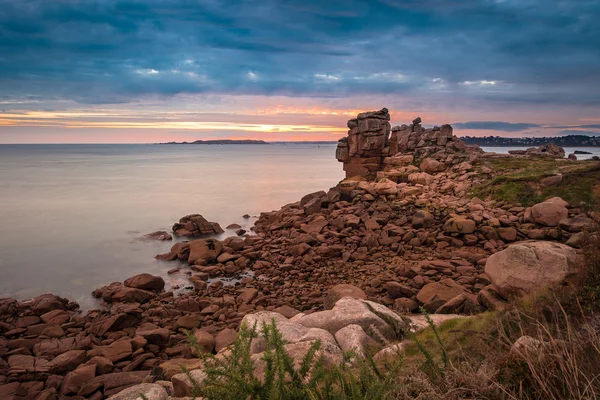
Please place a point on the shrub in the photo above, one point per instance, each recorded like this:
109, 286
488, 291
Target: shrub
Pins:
237, 374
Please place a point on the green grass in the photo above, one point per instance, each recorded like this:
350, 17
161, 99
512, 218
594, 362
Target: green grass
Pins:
517, 181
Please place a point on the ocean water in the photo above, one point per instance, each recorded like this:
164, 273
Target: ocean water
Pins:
70, 215
568, 150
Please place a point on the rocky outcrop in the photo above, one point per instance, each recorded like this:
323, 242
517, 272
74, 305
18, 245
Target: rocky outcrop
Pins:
336, 265
547, 150
369, 151
529, 266
158, 235
196, 225
362, 150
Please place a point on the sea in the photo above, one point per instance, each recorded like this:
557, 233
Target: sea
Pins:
71, 216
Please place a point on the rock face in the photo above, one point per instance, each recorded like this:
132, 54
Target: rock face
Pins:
369, 149
196, 225
547, 150
525, 267
362, 150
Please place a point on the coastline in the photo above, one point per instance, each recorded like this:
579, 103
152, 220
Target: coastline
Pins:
408, 233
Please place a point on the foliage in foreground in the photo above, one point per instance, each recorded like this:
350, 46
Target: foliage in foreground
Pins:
468, 358
273, 376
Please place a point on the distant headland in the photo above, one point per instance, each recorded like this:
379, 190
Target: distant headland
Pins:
221, 141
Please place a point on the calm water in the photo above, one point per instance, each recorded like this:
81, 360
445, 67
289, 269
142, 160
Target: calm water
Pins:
70, 214
568, 150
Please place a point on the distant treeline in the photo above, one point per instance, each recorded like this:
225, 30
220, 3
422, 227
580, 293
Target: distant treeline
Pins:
222, 141
563, 141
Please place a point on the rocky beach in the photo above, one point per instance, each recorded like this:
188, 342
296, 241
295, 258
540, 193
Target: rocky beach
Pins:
421, 221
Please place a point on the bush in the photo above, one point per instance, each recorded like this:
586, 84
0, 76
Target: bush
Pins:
240, 375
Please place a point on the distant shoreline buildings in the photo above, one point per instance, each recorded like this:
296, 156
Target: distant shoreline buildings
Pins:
563, 141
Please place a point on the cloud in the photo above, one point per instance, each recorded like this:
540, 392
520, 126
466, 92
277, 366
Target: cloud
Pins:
495, 126
116, 51
592, 126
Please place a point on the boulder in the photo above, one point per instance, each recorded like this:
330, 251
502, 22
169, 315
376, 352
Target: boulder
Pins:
158, 235
435, 294
47, 302
549, 212
123, 294
421, 178
116, 351
153, 334
528, 266
205, 340
291, 332
422, 219
75, 380
204, 251
183, 386
578, 223
459, 225
315, 226
386, 187
432, 166
196, 225
113, 383
224, 339
146, 391
527, 347
146, 282
352, 338
67, 361
57, 317
173, 366
348, 311
337, 292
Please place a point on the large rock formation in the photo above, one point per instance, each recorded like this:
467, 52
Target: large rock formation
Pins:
369, 151
362, 150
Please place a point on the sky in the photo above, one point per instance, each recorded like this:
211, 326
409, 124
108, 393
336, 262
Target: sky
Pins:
113, 71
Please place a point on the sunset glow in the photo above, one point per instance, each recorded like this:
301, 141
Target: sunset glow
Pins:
156, 71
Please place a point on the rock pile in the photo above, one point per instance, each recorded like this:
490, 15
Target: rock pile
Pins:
547, 150
196, 225
369, 149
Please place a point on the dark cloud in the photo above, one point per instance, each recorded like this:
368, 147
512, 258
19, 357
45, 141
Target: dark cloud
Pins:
110, 51
495, 126
593, 126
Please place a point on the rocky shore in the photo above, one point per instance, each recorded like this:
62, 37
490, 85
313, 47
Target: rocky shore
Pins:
402, 231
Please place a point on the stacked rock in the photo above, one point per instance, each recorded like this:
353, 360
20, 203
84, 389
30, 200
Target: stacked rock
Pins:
369, 149
362, 151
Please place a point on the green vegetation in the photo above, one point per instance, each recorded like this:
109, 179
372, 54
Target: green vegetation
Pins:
239, 375
518, 180
465, 358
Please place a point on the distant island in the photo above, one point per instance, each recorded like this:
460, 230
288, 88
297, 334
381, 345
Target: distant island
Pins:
563, 141
221, 141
